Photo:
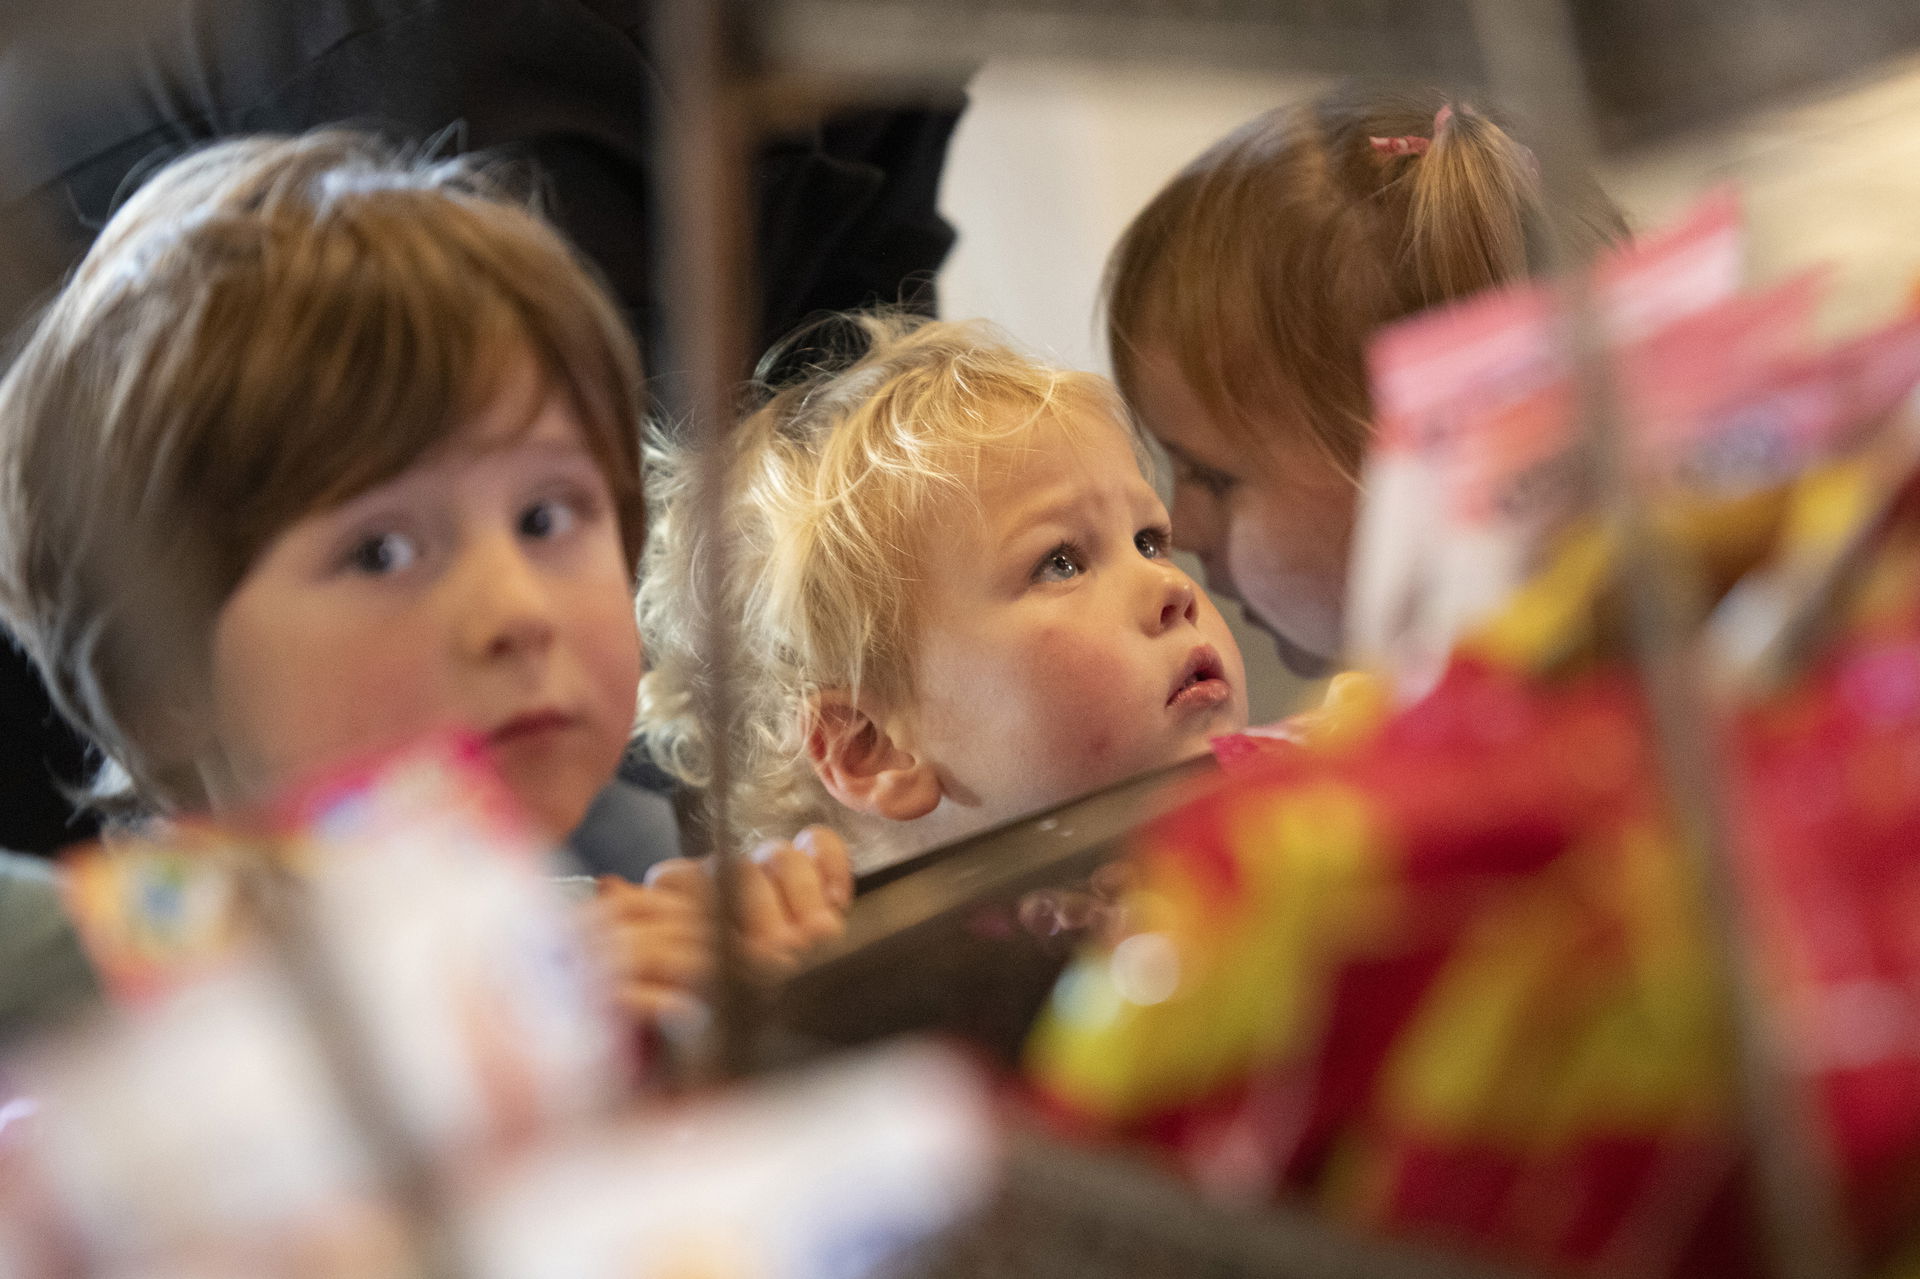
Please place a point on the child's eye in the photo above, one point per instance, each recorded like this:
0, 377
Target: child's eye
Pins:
1058, 565
383, 554
1153, 542
549, 519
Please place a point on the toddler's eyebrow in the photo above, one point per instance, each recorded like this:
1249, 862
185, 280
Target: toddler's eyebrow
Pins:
1052, 509
1071, 508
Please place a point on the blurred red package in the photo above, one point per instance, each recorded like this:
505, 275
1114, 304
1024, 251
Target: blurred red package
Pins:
1451, 982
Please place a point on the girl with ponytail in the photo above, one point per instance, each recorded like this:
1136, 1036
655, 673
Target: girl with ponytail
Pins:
1240, 303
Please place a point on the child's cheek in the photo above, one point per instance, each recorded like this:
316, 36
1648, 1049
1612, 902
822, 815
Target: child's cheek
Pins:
323, 718
1079, 702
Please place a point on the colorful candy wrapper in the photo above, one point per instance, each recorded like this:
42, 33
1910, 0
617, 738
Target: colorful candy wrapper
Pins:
212, 1108
1829, 796
154, 914
1478, 474
1473, 461
1479, 468
1451, 984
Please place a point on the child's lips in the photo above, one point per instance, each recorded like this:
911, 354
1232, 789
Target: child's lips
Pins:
1202, 682
1205, 693
531, 727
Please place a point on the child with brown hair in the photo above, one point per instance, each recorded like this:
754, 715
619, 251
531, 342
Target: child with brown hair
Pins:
321, 450
1241, 300
953, 595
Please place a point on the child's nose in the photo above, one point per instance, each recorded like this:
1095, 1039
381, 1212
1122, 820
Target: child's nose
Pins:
506, 609
1179, 600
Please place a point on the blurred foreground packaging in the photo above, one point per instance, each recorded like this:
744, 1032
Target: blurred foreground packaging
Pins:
1446, 971
371, 1042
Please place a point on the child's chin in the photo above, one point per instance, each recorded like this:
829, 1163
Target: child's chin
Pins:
554, 806
1191, 746
1190, 738
1178, 749
556, 825
556, 782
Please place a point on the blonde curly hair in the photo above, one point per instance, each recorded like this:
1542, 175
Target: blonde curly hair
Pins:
831, 486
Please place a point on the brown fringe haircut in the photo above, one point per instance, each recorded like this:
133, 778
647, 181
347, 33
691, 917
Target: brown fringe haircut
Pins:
268, 328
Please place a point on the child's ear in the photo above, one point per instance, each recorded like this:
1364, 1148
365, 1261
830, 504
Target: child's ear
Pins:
862, 767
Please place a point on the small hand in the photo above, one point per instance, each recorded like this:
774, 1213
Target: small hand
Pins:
794, 895
655, 942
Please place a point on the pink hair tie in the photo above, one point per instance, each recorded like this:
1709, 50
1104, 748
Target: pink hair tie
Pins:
1408, 145
1413, 143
